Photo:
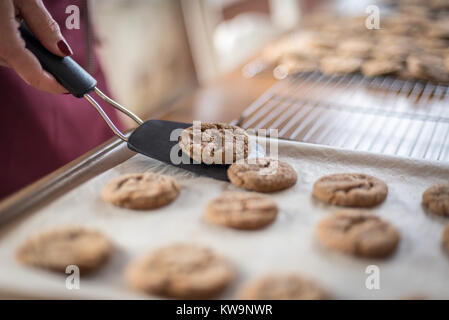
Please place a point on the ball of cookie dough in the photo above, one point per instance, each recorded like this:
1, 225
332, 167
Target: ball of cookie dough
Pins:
141, 191
436, 198
262, 175
282, 287
59, 248
359, 233
215, 143
181, 271
241, 210
350, 190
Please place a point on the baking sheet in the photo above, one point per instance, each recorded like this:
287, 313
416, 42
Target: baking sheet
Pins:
419, 267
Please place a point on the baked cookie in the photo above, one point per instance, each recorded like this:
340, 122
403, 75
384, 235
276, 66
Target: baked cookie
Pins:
404, 74
141, 191
282, 287
319, 40
426, 43
436, 198
439, 5
357, 48
359, 233
335, 65
393, 52
318, 45
181, 271
293, 65
262, 175
439, 29
406, 25
427, 67
376, 67
350, 190
241, 210
59, 248
215, 143
445, 239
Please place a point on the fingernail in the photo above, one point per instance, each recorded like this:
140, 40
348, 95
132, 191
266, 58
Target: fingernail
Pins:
64, 47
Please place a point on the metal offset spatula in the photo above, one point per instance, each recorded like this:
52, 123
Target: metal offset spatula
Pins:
151, 138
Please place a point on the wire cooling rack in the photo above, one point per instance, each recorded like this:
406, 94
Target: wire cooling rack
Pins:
382, 114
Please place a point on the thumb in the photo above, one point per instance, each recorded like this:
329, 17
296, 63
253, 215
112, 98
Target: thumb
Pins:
42, 24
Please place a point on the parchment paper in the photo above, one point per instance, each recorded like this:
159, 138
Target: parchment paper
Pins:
419, 267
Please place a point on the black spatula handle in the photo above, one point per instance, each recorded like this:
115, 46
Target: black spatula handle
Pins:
68, 73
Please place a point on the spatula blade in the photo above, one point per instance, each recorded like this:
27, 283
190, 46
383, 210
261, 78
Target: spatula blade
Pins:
157, 139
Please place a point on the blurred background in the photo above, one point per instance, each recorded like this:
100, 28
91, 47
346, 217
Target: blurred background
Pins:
154, 51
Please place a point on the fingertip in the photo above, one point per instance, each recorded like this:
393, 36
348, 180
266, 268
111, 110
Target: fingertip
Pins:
65, 48
44, 27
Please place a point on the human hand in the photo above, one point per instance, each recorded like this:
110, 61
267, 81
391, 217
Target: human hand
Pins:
13, 53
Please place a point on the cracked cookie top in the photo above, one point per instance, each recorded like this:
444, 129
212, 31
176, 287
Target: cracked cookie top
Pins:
141, 191
181, 270
436, 198
262, 175
241, 210
59, 248
359, 233
350, 190
214, 143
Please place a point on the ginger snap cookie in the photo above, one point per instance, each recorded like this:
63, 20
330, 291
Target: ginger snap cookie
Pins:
358, 48
282, 287
386, 50
141, 191
377, 67
262, 175
340, 65
445, 239
241, 210
425, 44
436, 198
215, 143
59, 248
181, 271
359, 233
439, 29
293, 65
350, 190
